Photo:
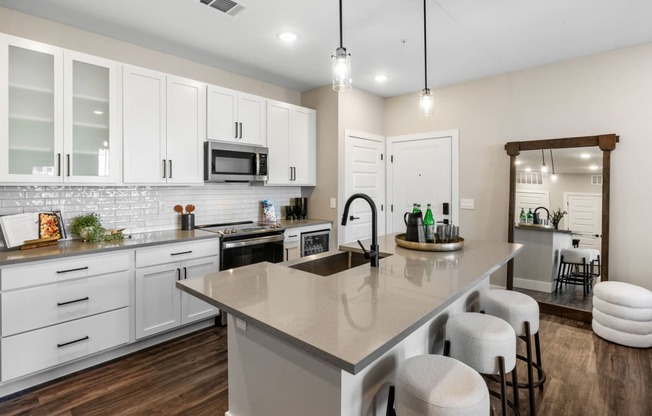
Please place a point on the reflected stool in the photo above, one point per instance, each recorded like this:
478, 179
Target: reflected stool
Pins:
488, 345
622, 313
522, 313
576, 267
433, 385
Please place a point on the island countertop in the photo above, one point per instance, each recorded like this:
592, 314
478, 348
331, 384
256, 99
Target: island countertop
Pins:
350, 318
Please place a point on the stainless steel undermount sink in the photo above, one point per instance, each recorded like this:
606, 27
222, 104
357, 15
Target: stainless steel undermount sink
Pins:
334, 263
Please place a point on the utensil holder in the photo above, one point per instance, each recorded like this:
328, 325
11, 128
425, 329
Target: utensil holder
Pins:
187, 221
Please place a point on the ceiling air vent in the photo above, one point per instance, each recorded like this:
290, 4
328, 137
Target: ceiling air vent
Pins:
228, 7
596, 179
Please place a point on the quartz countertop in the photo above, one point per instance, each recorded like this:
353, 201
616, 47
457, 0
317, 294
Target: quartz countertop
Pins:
68, 248
350, 318
535, 227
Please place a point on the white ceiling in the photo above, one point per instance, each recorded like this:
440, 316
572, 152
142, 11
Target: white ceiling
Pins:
467, 39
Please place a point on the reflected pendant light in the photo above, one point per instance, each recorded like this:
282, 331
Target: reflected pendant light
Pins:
341, 61
544, 168
553, 177
426, 100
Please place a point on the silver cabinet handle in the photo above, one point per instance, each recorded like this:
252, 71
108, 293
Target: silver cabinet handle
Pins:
164, 169
170, 172
181, 252
240, 131
58, 164
236, 129
67, 164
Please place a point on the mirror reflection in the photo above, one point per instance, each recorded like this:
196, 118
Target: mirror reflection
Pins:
558, 206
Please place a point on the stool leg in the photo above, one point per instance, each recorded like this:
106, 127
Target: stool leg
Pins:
503, 385
530, 376
390, 402
515, 387
537, 346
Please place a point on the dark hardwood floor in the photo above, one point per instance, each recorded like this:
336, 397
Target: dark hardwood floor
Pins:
188, 376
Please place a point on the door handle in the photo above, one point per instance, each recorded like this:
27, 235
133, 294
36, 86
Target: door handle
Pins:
178, 274
58, 164
240, 131
170, 170
351, 217
164, 169
236, 129
185, 273
67, 164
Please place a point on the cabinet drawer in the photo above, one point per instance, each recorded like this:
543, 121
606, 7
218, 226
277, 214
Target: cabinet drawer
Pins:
57, 271
37, 307
36, 350
176, 252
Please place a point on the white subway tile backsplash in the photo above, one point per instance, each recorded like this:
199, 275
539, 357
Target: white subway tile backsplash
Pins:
137, 209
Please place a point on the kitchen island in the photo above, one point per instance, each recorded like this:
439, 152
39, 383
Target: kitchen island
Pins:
536, 267
301, 343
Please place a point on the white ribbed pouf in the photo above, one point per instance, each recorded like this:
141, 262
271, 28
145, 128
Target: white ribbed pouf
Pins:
434, 385
622, 313
519, 310
482, 342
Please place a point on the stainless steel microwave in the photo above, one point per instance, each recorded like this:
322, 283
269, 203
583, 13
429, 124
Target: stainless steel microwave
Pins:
232, 162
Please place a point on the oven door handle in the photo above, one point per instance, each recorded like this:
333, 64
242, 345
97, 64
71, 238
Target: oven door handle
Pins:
253, 241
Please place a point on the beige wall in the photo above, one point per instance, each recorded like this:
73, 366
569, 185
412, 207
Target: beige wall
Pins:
46, 31
605, 93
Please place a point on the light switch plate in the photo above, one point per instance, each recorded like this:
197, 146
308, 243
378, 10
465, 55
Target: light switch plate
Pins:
333, 203
467, 203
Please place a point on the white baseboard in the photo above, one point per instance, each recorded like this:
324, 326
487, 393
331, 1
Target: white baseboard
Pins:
547, 287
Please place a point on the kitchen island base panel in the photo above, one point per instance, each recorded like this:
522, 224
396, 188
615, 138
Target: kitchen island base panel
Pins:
269, 376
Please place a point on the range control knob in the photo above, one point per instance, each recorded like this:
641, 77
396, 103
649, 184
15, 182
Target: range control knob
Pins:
233, 230
226, 231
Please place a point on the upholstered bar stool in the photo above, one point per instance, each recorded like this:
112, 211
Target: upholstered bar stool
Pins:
576, 267
433, 385
521, 312
488, 345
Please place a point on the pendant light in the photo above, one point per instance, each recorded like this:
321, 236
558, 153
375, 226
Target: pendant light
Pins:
553, 177
426, 100
544, 168
341, 61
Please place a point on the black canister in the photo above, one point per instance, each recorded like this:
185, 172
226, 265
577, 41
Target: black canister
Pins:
301, 208
187, 221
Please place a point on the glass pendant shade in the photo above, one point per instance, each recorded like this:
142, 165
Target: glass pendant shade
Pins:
341, 60
426, 103
553, 177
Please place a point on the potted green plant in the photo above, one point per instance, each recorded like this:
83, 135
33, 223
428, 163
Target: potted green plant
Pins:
87, 227
556, 217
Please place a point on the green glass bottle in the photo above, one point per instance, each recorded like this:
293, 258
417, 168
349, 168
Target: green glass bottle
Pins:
530, 217
522, 217
429, 225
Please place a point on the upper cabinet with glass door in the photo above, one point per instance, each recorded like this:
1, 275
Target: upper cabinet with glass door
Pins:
58, 115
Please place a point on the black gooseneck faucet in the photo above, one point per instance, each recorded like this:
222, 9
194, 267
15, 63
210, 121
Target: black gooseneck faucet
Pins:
373, 253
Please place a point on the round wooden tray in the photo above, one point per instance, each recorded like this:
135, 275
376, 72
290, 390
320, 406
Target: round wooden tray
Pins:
402, 242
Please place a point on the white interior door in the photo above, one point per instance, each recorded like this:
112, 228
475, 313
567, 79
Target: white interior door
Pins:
423, 169
585, 218
364, 172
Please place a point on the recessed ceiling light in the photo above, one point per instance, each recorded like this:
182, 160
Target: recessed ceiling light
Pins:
593, 167
288, 36
585, 156
98, 112
517, 162
380, 78
528, 169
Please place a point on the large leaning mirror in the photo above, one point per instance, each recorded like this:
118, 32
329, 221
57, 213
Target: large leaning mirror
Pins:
570, 176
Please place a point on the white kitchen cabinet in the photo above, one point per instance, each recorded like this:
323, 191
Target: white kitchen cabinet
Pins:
235, 116
291, 141
59, 115
160, 306
164, 127
57, 311
292, 244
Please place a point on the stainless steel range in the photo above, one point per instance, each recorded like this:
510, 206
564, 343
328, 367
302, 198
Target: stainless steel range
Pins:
245, 242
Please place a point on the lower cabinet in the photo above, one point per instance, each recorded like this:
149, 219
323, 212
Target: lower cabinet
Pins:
160, 306
37, 350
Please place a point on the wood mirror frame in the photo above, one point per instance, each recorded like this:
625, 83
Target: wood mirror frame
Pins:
606, 143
